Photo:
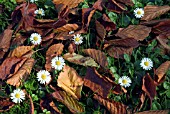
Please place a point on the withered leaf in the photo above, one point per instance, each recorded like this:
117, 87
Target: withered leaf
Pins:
22, 74
127, 2
99, 4
70, 81
138, 32
100, 30
149, 87
80, 60
112, 106
161, 71
154, 112
54, 50
163, 41
72, 48
5, 104
67, 28
20, 51
72, 104
152, 12
97, 83
31, 111
98, 56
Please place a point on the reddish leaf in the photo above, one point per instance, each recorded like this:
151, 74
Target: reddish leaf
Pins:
138, 32
98, 56
149, 87
100, 30
112, 106
154, 112
160, 74
152, 12
54, 50
5, 104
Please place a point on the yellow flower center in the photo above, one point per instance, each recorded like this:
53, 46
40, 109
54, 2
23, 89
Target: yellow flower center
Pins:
43, 76
124, 81
77, 39
146, 63
39, 12
139, 12
58, 63
35, 38
17, 95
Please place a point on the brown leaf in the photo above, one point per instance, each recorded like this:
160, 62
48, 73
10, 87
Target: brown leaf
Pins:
98, 56
19, 39
70, 3
70, 81
127, 2
5, 104
100, 30
72, 48
99, 4
163, 41
138, 32
31, 111
22, 74
160, 74
154, 112
80, 60
20, 1
72, 104
97, 83
20, 51
149, 87
152, 12
54, 50
112, 106
67, 28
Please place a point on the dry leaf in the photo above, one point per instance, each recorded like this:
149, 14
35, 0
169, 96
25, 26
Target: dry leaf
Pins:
112, 106
149, 87
98, 56
138, 32
5, 104
72, 48
161, 71
163, 41
154, 112
22, 74
127, 2
67, 28
152, 12
80, 60
31, 111
100, 30
70, 81
54, 50
72, 104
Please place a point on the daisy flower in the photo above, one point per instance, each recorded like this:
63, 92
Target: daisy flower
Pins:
146, 64
78, 39
124, 81
32, 1
139, 12
57, 63
71, 32
43, 76
17, 96
35, 38
39, 11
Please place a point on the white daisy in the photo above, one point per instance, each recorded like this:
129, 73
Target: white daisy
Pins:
124, 81
78, 39
43, 76
39, 11
71, 32
139, 12
35, 38
57, 63
146, 64
32, 1
17, 96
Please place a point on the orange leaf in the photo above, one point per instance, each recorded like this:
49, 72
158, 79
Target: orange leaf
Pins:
112, 106
70, 81
67, 28
98, 56
138, 32
152, 12
161, 71
5, 104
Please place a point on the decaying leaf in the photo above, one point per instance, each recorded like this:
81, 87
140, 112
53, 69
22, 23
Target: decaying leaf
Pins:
127, 2
70, 81
54, 50
22, 74
67, 28
138, 32
80, 60
100, 30
160, 74
154, 112
5, 104
112, 106
98, 56
31, 111
163, 41
149, 87
152, 12
72, 104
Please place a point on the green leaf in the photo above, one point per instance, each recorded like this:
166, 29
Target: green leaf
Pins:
166, 85
168, 93
127, 58
156, 106
113, 69
113, 16
110, 61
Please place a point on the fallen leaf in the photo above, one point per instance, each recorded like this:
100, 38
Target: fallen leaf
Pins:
19, 40
98, 56
127, 2
54, 50
22, 74
99, 4
67, 28
154, 112
72, 48
31, 111
152, 12
163, 41
97, 83
100, 30
149, 87
80, 60
160, 73
5, 104
112, 106
70, 81
72, 104
138, 32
